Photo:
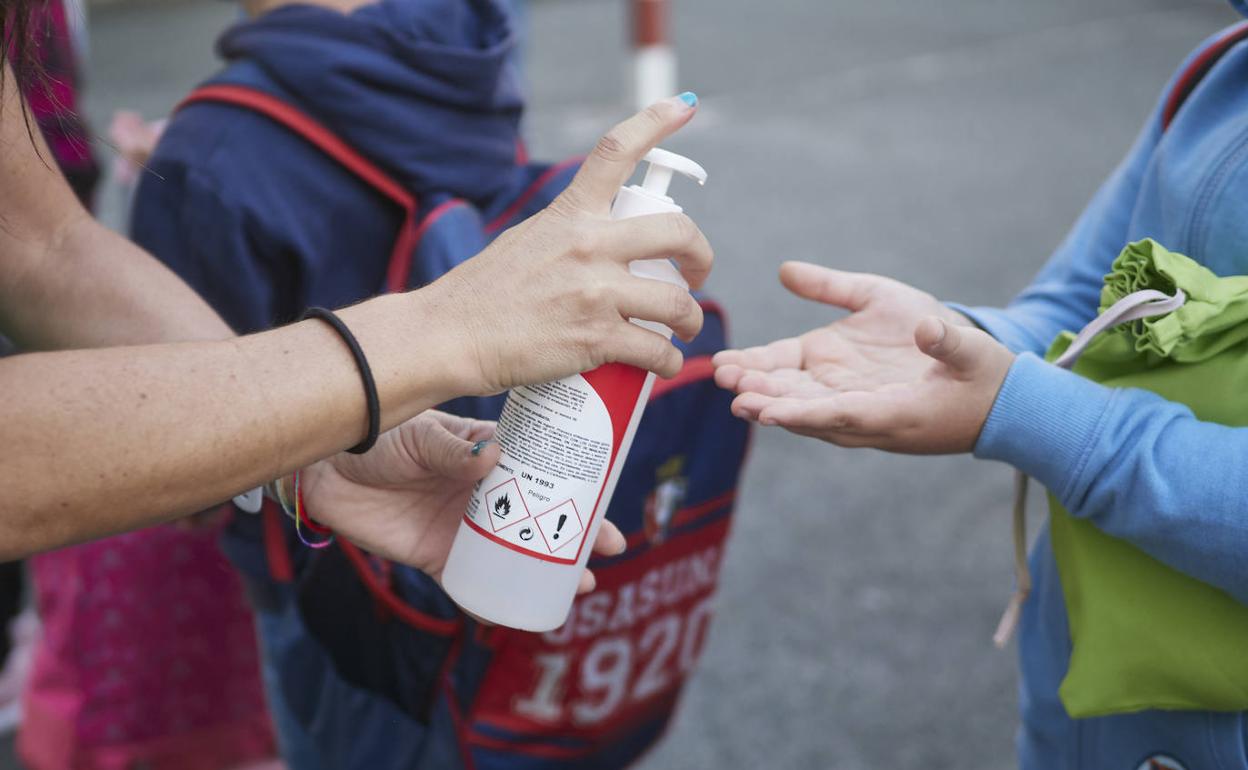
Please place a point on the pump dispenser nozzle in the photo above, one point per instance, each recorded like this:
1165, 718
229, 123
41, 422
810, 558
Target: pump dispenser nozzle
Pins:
650, 197
662, 165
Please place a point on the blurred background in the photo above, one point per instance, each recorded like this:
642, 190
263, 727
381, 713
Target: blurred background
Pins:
947, 144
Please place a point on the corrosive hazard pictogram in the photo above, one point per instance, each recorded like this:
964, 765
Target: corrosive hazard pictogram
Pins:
560, 525
505, 505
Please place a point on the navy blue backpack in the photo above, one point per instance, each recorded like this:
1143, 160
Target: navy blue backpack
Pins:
372, 666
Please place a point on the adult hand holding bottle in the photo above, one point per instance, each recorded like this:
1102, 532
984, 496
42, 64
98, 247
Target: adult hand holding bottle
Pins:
106, 440
553, 295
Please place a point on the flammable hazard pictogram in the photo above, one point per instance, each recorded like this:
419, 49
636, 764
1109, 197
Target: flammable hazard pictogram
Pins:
560, 525
506, 505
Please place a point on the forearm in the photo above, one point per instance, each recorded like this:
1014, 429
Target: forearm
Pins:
65, 280
100, 441
1139, 467
85, 286
103, 441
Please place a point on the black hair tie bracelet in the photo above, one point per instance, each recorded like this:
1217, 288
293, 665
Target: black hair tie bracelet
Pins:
366, 374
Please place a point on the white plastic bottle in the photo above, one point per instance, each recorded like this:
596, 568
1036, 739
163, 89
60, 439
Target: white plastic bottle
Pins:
529, 528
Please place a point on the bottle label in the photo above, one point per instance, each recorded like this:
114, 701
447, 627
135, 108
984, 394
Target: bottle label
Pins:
560, 442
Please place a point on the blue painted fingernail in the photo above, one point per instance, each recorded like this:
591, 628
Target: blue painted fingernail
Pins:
478, 447
689, 98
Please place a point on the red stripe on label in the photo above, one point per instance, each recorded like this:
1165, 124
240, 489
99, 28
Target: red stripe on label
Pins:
619, 386
506, 544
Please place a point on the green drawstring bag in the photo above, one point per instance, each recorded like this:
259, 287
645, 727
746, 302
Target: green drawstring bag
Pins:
1144, 635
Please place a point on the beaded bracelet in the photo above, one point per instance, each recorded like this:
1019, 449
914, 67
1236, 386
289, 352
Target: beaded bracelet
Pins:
299, 514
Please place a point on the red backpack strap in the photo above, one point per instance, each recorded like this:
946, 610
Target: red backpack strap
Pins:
1198, 68
511, 212
300, 124
281, 569
400, 263
380, 589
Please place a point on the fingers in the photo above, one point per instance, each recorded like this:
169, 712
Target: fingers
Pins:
467, 428
846, 415
781, 354
660, 236
779, 382
857, 413
612, 161
646, 349
962, 349
446, 454
610, 540
851, 291
665, 303
748, 405
728, 375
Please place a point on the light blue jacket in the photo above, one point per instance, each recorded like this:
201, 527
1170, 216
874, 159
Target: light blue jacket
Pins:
1139, 467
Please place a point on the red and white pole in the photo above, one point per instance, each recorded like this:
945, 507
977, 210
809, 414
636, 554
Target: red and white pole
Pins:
654, 59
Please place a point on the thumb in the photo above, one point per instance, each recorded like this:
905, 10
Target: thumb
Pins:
617, 153
961, 349
445, 454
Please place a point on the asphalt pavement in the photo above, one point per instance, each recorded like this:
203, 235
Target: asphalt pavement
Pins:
947, 144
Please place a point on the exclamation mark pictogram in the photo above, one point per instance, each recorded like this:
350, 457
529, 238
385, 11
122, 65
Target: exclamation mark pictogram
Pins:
563, 519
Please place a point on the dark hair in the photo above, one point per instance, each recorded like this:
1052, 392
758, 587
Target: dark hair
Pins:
17, 49
16, 45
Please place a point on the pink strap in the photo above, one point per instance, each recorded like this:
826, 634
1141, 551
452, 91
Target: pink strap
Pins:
1133, 307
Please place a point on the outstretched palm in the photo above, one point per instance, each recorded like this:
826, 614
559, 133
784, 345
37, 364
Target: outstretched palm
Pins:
870, 349
897, 373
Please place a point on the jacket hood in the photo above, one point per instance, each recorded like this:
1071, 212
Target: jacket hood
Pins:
424, 88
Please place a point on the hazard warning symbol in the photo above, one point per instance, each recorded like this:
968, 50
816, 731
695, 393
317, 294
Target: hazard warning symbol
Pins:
558, 444
505, 505
560, 526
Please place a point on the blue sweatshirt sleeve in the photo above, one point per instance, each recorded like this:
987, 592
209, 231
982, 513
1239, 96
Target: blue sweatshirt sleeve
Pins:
1140, 467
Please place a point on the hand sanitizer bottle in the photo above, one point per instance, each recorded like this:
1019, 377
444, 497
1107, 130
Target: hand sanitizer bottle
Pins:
524, 540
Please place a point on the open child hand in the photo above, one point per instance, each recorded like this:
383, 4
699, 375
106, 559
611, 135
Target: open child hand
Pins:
403, 500
901, 372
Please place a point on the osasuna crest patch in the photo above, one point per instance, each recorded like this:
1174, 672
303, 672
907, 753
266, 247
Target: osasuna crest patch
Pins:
668, 495
1161, 762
